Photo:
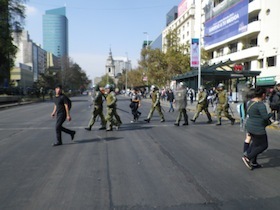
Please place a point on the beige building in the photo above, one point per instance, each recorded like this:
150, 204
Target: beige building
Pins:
31, 60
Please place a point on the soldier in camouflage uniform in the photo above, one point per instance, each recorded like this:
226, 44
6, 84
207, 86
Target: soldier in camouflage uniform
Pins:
202, 105
97, 110
223, 105
155, 104
181, 103
111, 101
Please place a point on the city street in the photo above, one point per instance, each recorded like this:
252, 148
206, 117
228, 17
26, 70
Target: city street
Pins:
141, 166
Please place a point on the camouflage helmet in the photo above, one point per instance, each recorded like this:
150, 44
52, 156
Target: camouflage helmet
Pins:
249, 84
221, 85
109, 86
182, 84
201, 88
153, 87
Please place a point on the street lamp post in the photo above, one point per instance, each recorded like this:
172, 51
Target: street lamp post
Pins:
147, 36
199, 64
147, 45
126, 68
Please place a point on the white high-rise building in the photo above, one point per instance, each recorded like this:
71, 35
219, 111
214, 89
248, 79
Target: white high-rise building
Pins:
246, 32
243, 31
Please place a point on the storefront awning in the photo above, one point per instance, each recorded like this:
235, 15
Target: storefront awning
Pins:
266, 81
222, 70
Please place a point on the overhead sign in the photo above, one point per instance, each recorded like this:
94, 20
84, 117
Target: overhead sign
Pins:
225, 20
195, 57
183, 6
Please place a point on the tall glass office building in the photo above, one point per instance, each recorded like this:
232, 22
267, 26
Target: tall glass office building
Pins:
55, 32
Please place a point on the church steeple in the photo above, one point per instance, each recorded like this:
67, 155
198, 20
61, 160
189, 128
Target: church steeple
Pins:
110, 67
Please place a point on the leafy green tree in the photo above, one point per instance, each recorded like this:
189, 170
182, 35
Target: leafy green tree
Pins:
71, 77
106, 79
161, 66
12, 14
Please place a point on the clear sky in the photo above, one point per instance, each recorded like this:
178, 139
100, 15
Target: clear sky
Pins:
95, 26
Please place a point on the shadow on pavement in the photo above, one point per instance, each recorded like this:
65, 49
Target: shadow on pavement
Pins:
273, 157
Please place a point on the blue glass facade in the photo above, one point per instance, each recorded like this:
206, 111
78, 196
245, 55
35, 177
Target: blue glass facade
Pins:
55, 32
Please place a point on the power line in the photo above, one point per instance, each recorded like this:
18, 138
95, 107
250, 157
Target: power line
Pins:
103, 9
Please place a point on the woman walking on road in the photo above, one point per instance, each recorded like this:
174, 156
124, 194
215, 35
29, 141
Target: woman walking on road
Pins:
255, 125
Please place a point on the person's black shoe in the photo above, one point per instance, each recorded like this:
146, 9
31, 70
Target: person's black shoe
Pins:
147, 120
177, 124
219, 124
256, 165
186, 123
193, 120
73, 135
232, 121
209, 121
247, 162
57, 144
102, 128
88, 129
162, 120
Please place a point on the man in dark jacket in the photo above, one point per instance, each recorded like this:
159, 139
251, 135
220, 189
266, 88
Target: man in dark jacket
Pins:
274, 102
62, 112
170, 98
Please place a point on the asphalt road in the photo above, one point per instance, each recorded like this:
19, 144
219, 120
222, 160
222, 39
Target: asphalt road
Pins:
141, 166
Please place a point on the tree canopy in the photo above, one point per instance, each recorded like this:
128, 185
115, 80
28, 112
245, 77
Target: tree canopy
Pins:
12, 14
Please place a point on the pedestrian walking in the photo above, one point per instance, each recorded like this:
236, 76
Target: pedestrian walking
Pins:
111, 101
155, 95
181, 104
223, 105
191, 95
247, 94
97, 109
135, 104
274, 103
62, 112
258, 119
170, 99
202, 105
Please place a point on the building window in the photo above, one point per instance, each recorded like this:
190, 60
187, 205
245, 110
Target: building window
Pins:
247, 65
254, 42
233, 47
260, 63
266, 39
271, 61
211, 55
109, 70
220, 52
254, 18
267, 11
216, 2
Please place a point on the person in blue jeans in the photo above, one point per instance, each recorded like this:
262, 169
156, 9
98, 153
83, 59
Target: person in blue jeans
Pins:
170, 98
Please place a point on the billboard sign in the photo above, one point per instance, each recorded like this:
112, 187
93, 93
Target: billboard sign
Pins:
195, 53
183, 6
225, 20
